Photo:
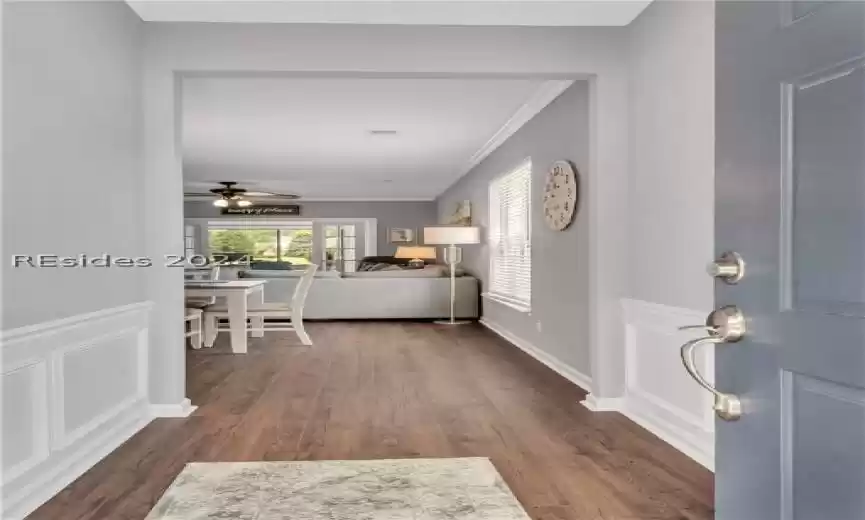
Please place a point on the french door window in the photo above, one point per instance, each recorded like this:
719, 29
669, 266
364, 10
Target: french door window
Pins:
340, 248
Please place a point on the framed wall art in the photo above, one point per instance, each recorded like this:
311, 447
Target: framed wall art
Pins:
401, 235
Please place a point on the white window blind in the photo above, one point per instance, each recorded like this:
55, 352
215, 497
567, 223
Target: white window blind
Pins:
509, 236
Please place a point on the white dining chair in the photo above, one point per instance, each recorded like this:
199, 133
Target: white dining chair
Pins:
194, 318
201, 273
292, 311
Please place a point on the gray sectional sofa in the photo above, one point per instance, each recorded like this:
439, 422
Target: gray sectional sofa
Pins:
384, 294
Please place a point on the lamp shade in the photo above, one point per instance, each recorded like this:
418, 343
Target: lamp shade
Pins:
412, 252
451, 235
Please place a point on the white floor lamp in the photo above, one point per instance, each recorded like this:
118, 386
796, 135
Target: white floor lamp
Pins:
451, 236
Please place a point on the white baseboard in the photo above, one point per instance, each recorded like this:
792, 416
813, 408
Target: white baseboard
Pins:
696, 447
81, 383
53, 480
556, 365
603, 404
181, 409
659, 395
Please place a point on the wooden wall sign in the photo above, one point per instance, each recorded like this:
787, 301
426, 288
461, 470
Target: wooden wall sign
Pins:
265, 210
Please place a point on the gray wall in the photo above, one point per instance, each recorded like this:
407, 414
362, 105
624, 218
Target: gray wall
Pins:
71, 141
672, 148
389, 214
558, 322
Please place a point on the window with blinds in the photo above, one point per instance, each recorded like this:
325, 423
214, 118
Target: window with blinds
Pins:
509, 236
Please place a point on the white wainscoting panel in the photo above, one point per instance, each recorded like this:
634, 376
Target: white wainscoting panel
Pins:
73, 391
660, 395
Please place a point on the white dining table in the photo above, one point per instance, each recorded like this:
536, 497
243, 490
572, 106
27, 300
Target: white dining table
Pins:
236, 294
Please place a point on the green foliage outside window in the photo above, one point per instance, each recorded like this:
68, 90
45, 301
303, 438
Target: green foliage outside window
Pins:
291, 245
297, 244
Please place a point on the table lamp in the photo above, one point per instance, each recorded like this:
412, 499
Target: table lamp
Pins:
415, 254
451, 236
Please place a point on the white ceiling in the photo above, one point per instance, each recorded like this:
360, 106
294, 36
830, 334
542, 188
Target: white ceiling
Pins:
311, 136
403, 12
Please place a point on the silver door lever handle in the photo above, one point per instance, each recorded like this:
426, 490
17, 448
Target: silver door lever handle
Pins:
707, 328
727, 406
726, 324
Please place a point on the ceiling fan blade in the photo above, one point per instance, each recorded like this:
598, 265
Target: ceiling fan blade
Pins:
271, 195
236, 192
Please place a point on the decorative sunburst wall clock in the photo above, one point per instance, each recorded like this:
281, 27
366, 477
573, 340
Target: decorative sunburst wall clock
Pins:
561, 195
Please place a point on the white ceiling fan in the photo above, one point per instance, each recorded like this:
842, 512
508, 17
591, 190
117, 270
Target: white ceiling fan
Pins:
228, 195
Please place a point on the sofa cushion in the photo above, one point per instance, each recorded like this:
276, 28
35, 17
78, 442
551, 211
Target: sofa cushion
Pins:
429, 271
368, 261
267, 265
408, 273
277, 273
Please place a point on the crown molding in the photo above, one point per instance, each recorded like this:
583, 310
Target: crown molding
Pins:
543, 96
367, 199
498, 13
324, 199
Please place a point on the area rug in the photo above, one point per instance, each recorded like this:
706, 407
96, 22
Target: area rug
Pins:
404, 489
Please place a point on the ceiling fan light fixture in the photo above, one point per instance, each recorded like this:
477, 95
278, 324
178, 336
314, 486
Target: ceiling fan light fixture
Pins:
230, 196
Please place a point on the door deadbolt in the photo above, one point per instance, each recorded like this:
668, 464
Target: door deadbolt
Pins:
729, 267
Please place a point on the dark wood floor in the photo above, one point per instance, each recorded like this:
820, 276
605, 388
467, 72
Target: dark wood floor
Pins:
371, 390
